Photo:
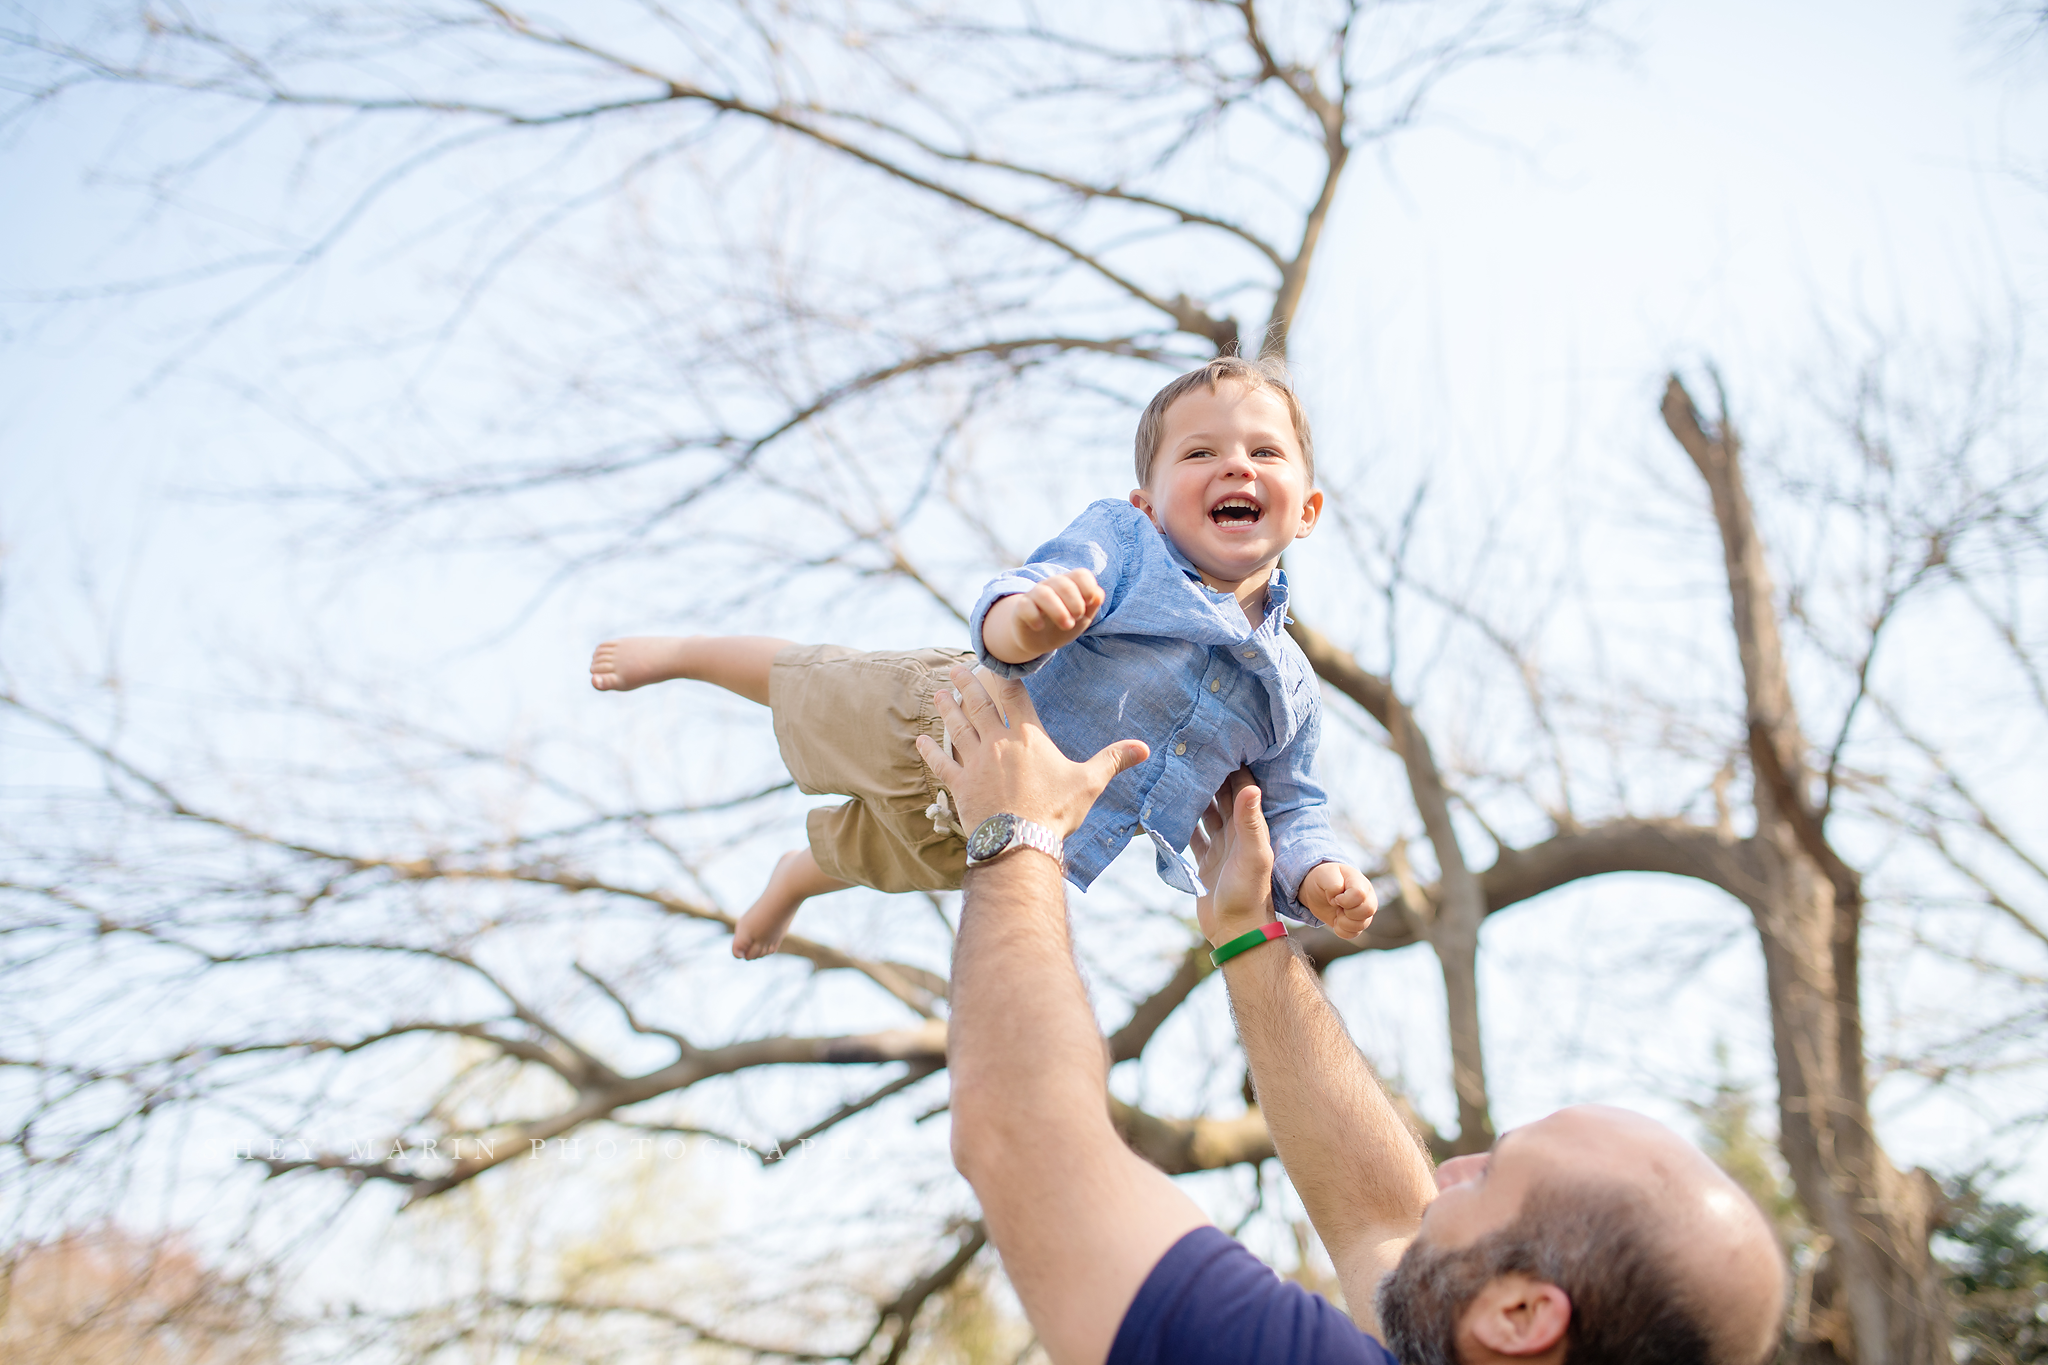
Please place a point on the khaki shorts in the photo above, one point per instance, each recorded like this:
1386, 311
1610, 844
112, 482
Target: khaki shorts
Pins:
847, 724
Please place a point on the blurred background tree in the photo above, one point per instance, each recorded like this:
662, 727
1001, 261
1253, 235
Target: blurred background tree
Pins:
2000, 1274
103, 1296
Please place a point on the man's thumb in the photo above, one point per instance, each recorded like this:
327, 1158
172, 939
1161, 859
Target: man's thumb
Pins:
1251, 816
1125, 753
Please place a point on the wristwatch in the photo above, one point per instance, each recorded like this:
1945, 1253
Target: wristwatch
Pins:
998, 834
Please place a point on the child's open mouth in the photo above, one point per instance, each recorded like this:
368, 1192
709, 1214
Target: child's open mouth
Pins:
1235, 512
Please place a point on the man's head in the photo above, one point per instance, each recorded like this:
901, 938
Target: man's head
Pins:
1226, 468
1595, 1236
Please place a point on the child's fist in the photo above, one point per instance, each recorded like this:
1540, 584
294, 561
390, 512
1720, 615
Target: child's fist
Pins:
1055, 612
1341, 897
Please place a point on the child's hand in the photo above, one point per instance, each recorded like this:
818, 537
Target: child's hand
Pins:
1053, 614
1341, 897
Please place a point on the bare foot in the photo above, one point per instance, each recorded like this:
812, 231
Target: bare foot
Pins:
637, 660
796, 878
761, 929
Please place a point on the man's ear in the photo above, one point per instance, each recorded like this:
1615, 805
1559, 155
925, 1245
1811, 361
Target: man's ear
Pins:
1519, 1316
1311, 510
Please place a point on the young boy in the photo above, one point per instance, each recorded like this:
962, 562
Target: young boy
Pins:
1161, 619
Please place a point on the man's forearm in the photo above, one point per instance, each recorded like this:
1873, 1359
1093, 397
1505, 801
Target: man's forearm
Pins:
1361, 1173
1079, 1221
1022, 1044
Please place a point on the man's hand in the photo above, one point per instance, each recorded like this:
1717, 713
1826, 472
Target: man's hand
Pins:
1024, 625
1235, 854
1015, 767
1340, 896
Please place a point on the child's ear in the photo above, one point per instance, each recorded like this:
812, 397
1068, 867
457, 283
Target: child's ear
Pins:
1141, 500
1311, 509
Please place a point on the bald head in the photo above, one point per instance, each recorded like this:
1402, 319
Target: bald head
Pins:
1715, 1236
1642, 1248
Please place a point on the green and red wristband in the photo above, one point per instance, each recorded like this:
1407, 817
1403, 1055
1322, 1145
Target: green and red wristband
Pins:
1244, 943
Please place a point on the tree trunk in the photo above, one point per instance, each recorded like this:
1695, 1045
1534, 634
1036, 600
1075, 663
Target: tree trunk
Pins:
1449, 917
1877, 1296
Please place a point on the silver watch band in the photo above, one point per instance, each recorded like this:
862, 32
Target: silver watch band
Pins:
998, 834
1033, 835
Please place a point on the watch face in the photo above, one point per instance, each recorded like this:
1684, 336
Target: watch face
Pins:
991, 837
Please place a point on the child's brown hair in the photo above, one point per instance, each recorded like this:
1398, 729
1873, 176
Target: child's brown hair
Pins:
1257, 374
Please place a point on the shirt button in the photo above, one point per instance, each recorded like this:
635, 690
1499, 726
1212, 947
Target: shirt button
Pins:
1181, 747
1215, 684
1251, 654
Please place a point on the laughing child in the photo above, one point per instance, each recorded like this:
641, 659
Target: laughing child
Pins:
1161, 618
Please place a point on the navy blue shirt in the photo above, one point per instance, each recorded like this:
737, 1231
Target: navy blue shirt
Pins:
1210, 1300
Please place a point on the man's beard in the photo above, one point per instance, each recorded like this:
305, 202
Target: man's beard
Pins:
1421, 1303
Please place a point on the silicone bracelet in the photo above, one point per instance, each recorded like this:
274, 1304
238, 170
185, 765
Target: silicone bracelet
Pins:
1246, 942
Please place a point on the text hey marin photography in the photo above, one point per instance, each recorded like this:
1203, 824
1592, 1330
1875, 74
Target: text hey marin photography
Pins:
456, 1150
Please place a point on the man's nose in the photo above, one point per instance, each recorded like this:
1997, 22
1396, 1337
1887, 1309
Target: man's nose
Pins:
1459, 1169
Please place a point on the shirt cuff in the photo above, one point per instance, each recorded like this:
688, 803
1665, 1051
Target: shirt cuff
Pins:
1288, 903
1291, 865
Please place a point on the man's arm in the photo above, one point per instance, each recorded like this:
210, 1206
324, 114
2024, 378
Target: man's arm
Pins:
1361, 1174
1078, 1219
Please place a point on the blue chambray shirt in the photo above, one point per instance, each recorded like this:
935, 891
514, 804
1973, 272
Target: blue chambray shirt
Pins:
1169, 661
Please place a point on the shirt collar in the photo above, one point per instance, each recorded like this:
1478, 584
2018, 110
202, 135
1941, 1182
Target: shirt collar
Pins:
1276, 598
1180, 561
1276, 586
